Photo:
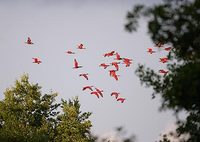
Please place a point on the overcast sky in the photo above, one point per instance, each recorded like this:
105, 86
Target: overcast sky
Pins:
56, 26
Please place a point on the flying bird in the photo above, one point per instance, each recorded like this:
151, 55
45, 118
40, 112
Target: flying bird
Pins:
69, 52
116, 77
115, 64
104, 65
109, 54
127, 62
36, 60
95, 93
84, 75
121, 99
76, 66
150, 50
81, 46
167, 48
118, 57
29, 41
88, 87
99, 91
163, 71
112, 72
116, 94
164, 60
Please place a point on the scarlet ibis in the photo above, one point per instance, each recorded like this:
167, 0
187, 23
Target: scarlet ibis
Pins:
127, 61
29, 41
76, 66
116, 94
118, 57
70, 52
99, 91
88, 87
150, 50
115, 76
84, 75
115, 64
121, 99
112, 72
164, 60
81, 46
104, 65
163, 71
109, 54
95, 93
36, 60
167, 48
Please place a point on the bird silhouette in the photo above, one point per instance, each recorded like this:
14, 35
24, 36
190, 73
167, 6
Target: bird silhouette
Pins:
164, 60
121, 100
115, 64
118, 57
29, 41
104, 65
36, 60
127, 62
81, 46
95, 93
76, 66
167, 48
116, 94
163, 71
87, 87
150, 50
109, 54
99, 91
69, 52
84, 75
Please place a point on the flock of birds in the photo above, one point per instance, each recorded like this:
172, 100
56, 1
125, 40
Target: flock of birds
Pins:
117, 60
163, 60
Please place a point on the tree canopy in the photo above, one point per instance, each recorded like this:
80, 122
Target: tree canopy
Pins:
177, 23
26, 115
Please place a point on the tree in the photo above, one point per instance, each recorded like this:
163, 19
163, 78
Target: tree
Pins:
175, 22
28, 116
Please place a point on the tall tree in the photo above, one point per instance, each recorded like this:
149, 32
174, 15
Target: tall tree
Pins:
28, 116
175, 22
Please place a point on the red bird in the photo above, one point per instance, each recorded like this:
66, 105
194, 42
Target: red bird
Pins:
163, 71
159, 44
115, 77
84, 75
99, 91
127, 61
112, 72
150, 50
116, 65
168, 48
88, 87
116, 94
104, 65
109, 54
121, 99
164, 60
118, 57
70, 52
95, 93
29, 41
81, 46
76, 66
36, 60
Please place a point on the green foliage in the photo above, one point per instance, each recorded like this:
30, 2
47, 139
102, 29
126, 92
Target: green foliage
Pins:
28, 116
175, 22
73, 125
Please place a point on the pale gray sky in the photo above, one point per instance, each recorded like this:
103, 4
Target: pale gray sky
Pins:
58, 26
